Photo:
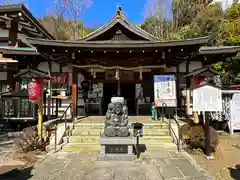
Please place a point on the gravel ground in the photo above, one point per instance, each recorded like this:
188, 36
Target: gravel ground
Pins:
226, 162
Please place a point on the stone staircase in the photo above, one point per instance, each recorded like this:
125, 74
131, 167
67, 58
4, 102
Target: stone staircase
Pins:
86, 135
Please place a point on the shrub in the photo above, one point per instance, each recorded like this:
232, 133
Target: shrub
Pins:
193, 136
28, 140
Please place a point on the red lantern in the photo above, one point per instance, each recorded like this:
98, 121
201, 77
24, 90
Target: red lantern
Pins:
34, 89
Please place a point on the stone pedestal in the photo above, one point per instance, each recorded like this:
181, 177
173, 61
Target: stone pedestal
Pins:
117, 148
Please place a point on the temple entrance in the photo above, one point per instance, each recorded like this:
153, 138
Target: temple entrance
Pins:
127, 91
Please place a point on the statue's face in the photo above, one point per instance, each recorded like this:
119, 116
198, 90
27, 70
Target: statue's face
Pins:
118, 108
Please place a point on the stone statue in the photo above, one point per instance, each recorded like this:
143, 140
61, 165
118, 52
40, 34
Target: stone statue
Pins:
116, 122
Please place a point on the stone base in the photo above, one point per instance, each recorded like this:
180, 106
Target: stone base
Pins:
117, 148
116, 157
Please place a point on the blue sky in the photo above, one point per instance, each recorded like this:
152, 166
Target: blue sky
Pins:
99, 13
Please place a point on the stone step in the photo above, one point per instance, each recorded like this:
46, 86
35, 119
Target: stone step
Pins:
81, 146
158, 125
96, 132
143, 140
96, 147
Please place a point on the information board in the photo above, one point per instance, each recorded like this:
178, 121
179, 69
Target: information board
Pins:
207, 98
235, 120
165, 90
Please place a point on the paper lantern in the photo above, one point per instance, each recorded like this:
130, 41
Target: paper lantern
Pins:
34, 89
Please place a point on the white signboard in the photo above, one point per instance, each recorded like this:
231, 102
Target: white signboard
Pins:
207, 98
235, 120
165, 90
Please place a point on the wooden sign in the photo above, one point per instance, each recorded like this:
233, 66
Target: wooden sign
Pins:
59, 78
207, 98
165, 90
124, 75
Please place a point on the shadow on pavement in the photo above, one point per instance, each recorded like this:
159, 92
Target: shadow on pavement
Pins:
235, 172
15, 173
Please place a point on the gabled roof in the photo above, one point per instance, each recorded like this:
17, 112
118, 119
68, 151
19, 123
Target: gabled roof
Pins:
28, 24
121, 19
202, 70
116, 44
31, 73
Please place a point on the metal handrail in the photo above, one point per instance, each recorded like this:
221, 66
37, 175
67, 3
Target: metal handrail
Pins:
60, 120
170, 126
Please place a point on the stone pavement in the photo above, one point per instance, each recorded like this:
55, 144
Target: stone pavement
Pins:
155, 165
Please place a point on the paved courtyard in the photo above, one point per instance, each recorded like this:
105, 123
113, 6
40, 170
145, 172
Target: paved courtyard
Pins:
155, 165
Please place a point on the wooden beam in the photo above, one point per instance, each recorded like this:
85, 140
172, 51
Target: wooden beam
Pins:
13, 31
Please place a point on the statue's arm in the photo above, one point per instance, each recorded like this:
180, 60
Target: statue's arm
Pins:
108, 121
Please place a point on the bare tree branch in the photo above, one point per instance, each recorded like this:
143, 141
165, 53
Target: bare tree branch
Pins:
73, 11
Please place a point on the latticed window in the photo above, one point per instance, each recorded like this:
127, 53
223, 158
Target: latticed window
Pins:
25, 108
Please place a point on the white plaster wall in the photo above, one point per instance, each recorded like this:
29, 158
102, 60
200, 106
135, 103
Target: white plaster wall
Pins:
3, 75
3, 33
43, 66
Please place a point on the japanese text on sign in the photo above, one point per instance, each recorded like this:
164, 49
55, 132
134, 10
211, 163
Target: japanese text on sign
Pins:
165, 90
207, 98
59, 78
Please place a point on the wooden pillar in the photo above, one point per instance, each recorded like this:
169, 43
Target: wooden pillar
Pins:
40, 110
49, 89
59, 100
74, 90
13, 32
188, 83
178, 86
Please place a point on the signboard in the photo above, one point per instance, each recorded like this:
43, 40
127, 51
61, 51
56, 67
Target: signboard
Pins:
235, 120
165, 90
59, 78
207, 98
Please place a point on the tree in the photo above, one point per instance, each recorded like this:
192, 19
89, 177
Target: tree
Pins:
156, 21
184, 11
57, 26
72, 11
208, 21
229, 30
229, 34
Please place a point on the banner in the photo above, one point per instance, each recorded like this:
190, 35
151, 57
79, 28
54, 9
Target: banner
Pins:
59, 78
34, 89
165, 90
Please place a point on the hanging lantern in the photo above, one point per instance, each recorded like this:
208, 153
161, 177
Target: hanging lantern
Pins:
117, 74
140, 74
34, 89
